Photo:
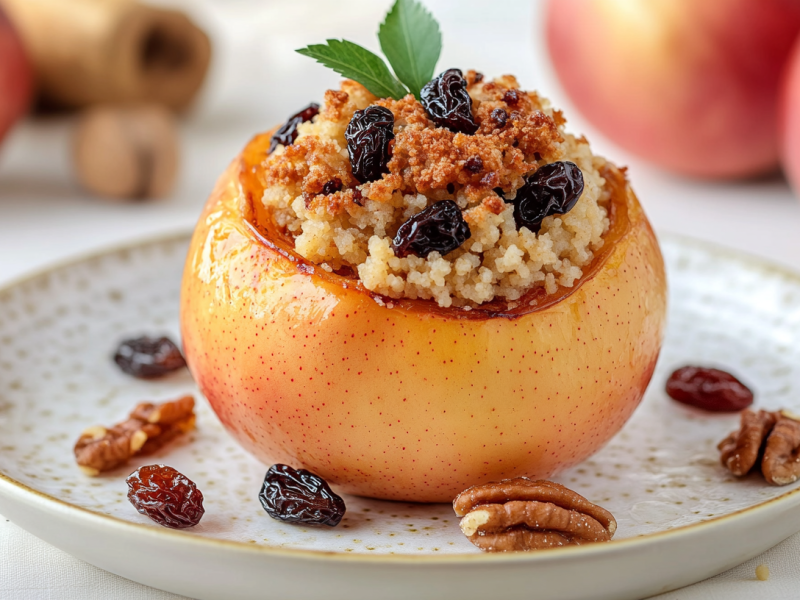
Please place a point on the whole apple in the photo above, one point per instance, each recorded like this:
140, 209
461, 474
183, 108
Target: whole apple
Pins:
790, 120
402, 399
689, 85
16, 78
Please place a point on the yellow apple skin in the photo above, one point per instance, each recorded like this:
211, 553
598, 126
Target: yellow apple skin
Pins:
409, 401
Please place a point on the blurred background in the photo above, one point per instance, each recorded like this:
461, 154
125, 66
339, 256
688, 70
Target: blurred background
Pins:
686, 94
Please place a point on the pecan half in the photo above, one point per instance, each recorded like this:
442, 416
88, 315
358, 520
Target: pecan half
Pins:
148, 428
781, 462
740, 451
521, 514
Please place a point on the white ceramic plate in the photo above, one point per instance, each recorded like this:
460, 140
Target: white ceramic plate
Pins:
681, 517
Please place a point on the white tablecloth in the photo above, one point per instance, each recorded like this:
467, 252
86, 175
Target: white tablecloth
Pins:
257, 81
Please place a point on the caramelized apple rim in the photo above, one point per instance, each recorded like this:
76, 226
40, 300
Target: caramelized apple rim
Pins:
261, 229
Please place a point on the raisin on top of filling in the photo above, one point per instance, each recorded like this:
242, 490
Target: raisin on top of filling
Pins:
369, 135
439, 228
448, 103
552, 190
287, 133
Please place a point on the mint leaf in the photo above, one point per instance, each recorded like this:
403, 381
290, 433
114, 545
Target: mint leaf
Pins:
411, 40
354, 62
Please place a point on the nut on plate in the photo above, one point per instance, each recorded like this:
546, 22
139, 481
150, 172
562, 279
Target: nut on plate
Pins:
520, 514
740, 451
771, 437
148, 428
781, 463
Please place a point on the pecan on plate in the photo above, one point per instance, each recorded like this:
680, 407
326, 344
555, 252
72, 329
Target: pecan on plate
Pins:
781, 462
521, 514
741, 450
148, 428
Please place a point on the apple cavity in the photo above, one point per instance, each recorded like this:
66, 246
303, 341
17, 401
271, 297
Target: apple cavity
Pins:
690, 86
16, 78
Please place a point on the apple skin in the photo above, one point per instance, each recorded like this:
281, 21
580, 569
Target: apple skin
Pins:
690, 86
790, 120
16, 77
412, 402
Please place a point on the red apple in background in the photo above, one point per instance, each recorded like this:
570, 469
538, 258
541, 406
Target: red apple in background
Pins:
691, 85
790, 120
16, 78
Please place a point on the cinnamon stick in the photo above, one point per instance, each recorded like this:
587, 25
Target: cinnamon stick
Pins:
111, 51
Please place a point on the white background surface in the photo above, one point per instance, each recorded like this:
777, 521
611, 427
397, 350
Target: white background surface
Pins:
257, 80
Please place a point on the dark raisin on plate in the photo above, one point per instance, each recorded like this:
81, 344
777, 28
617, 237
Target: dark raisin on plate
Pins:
299, 496
710, 389
440, 227
166, 496
148, 358
554, 189
287, 133
448, 103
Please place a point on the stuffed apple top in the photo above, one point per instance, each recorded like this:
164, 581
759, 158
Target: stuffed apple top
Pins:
472, 193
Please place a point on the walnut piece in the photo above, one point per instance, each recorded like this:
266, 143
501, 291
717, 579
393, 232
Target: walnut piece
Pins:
771, 438
148, 428
520, 514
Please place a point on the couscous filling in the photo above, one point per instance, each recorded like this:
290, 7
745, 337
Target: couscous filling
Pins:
336, 221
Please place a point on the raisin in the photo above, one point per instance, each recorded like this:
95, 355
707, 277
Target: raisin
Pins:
500, 117
474, 164
451, 188
709, 389
299, 496
287, 133
369, 135
552, 190
440, 227
357, 197
332, 186
166, 496
447, 102
148, 358
511, 97
478, 77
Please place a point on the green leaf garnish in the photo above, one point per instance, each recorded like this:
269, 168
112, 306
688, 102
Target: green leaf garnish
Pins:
354, 62
411, 40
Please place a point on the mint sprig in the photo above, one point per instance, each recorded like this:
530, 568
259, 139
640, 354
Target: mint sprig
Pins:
410, 39
354, 62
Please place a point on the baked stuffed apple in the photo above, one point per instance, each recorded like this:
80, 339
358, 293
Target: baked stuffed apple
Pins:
411, 295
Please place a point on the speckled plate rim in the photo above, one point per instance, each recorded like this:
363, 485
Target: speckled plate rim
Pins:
11, 488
